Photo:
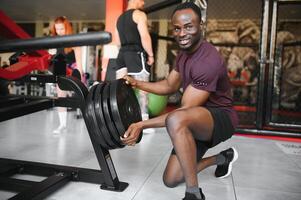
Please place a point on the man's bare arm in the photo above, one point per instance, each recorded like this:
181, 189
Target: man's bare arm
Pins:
141, 19
167, 86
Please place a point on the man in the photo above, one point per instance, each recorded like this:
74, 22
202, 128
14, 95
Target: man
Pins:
136, 53
206, 116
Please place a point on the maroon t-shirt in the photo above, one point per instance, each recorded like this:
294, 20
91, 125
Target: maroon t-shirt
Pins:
205, 70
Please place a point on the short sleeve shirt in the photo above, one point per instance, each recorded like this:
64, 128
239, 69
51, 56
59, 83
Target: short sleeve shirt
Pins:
205, 70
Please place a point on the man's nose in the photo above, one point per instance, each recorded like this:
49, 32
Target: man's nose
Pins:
182, 32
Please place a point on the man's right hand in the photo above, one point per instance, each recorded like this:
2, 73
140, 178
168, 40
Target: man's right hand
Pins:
130, 80
131, 136
150, 60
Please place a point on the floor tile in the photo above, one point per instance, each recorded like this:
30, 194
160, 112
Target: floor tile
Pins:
251, 194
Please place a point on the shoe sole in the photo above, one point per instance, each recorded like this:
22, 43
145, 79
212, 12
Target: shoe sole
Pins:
230, 165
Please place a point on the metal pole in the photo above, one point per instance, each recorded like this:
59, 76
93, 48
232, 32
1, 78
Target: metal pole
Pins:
81, 39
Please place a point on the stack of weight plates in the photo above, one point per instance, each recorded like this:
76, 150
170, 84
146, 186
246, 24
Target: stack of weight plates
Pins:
111, 107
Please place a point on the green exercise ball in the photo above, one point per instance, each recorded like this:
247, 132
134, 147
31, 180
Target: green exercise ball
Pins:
156, 104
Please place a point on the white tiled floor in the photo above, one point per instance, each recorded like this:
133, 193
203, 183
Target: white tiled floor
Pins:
263, 170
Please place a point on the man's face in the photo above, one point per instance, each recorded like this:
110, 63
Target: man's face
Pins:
186, 29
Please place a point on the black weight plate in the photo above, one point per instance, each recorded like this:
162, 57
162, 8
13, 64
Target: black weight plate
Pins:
89, 113
124, 106
107, 114
98, 116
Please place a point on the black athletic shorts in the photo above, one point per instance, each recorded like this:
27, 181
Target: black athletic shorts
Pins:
222, 131
132, 60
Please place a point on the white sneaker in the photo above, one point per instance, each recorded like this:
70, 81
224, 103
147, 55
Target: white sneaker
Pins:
60, 129
149, 130
145, 116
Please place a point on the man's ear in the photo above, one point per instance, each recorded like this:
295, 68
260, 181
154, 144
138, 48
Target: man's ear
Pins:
201, 24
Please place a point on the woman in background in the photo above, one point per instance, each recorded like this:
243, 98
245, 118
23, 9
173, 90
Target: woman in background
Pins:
61, 27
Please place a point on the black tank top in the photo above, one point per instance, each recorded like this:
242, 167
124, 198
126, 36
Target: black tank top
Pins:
70, 57
128, 32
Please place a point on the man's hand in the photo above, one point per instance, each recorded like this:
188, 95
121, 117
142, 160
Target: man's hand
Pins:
132, 134
131, 81
150, 60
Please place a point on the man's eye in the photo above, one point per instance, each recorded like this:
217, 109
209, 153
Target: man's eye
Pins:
188, 27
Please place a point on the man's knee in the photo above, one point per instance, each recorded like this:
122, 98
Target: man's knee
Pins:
170, 182
174, 122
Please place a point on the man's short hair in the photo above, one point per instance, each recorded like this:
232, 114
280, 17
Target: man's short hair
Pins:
188, 5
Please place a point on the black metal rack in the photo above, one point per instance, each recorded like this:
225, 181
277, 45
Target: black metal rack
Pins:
57, 175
